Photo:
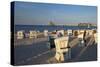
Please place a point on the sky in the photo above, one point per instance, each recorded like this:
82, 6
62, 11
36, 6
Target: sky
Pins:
30, 13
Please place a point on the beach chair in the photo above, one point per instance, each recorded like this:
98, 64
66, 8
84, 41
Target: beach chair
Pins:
81, 39
95, 38
81, 31
69, 32
62, 32
32, 34
63, 51
87, 32
75, 33
45, 33
90, 32
20, 34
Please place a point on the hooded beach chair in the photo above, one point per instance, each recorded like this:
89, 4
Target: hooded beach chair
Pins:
63, 51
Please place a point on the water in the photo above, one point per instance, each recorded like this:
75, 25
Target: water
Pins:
41, 28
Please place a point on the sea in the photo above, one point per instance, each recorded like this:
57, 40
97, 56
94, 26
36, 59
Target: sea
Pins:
41, 28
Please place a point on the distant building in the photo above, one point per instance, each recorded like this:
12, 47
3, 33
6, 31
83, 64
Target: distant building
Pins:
85, 25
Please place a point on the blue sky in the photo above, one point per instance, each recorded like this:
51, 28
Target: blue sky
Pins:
27, 13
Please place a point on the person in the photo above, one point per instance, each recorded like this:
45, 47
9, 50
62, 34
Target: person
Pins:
84, 38
58, 34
